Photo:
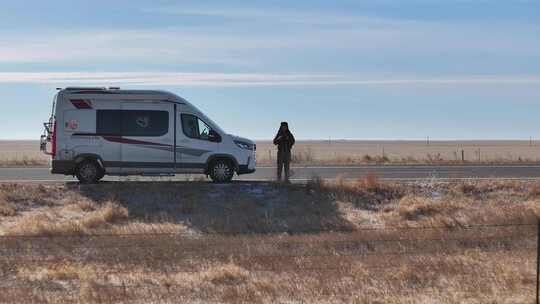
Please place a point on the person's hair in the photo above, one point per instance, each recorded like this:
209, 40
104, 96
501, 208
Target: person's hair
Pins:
283, 124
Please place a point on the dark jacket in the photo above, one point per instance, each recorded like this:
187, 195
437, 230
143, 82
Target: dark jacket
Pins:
284, 141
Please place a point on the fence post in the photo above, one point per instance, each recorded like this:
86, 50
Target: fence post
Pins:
538, 262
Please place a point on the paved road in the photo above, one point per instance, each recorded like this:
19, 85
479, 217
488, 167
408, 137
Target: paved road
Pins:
386, 172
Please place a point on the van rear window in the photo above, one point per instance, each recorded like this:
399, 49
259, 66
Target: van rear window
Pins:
132, 122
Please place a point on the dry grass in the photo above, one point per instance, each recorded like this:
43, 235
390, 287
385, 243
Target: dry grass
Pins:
21, 153
226, 274
342, 152
220, 252
6, 208
350, 152
24, 161
413, 208
48, 223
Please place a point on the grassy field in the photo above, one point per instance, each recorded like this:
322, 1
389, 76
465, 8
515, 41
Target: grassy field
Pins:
26, 153
405, 152
324, 242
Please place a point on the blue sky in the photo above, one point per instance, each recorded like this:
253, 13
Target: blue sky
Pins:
381, 69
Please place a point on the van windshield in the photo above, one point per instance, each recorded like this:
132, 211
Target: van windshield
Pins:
209, 121
212, 123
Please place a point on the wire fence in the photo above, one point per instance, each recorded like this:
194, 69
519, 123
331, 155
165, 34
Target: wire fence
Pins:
130, 263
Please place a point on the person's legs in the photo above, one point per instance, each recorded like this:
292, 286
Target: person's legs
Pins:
286, 164
279, 166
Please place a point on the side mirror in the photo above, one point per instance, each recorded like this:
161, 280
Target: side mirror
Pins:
213, 136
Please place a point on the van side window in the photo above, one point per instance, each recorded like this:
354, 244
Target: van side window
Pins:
109, 122
141, 123
193, 127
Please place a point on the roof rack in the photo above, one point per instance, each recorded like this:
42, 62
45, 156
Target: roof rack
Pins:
86, 88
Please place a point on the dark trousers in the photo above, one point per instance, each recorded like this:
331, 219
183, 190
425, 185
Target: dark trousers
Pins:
283, 163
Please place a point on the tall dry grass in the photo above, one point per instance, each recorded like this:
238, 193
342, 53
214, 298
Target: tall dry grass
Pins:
24, 161
270, 243
46, 224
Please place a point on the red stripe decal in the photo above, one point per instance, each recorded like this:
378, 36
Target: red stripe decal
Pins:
81, 103
122, 140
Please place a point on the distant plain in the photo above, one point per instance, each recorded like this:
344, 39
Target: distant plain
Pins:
346, 152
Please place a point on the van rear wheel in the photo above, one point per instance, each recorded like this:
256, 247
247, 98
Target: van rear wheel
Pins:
221, 171
89, 172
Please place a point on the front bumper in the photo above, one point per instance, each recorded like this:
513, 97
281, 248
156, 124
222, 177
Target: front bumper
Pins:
244, 169
250, 166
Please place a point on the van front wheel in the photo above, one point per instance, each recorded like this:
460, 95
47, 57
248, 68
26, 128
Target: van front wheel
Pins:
89, 172
221, 171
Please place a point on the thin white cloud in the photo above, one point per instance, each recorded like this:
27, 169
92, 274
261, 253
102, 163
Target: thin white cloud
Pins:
242, 79
264, 14
263, 43
118, 46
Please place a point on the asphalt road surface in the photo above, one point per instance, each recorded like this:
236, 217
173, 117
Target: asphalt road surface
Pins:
385, 172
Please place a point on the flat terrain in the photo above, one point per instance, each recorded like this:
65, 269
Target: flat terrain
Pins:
21, 153
411, 152
258, 242
345, 152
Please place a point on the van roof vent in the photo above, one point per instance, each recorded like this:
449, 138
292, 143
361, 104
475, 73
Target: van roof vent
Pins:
85, 89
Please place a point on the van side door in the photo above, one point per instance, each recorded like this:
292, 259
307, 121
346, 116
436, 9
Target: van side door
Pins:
147, 137
193, 143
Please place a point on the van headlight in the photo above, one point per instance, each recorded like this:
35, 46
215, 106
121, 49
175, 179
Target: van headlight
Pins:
243, 145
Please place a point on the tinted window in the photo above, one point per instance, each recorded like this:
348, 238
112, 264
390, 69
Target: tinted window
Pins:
109, 122
193, 127
132, 122
190, 126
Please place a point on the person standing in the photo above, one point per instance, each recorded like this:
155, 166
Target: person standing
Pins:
284, 140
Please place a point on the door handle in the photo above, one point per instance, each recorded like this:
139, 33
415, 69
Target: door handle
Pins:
184, 141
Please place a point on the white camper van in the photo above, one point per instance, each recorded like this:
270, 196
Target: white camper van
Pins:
94, 132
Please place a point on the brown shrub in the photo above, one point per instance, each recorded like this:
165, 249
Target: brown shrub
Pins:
87, 205
108, 214
534, 190
6, 208
367, 158
227, 274
370, 182
89, 291
412, 207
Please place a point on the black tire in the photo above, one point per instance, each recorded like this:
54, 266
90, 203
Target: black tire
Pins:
221, 171
89, 172
101, 174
